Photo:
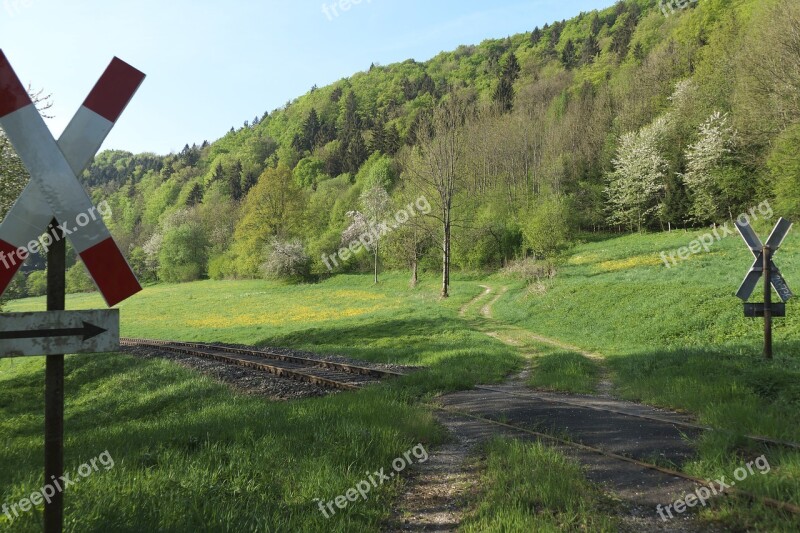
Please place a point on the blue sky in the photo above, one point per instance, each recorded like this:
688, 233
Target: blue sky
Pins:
213, 65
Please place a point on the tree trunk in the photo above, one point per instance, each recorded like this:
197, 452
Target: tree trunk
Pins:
376, 263
446, 259
414, 276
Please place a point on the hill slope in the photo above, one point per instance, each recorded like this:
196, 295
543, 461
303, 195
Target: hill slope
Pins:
614, 120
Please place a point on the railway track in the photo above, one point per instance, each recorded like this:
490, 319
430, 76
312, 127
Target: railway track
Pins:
327, 374
755, 438
730, 491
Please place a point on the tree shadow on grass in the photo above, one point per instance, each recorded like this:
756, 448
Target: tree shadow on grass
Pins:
730, 387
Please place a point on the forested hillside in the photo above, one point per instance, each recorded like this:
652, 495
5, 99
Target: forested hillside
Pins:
616, 120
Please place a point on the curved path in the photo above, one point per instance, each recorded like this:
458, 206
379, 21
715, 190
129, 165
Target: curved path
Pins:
435, 498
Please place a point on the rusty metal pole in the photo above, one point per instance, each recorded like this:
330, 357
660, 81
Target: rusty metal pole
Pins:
54, 388
767, 303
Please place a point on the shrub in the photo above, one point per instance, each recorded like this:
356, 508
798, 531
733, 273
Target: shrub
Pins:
78, 279
286, 259
37, 283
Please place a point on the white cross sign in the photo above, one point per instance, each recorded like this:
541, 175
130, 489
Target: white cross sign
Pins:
757, 248
54, 190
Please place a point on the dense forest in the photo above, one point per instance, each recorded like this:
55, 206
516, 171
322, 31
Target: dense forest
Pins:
619, 120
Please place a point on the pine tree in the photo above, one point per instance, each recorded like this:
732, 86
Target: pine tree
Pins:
250, 180
638, 52
536, 36
504, 92
378, 143
311, 129
235, 181
591, 49
195, 195
626, 25
219, 174
392, 140
597, 24
352, 148
569, 56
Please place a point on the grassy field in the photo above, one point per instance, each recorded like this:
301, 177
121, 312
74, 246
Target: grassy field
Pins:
191, 454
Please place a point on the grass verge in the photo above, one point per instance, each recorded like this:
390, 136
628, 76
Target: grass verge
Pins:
530, 487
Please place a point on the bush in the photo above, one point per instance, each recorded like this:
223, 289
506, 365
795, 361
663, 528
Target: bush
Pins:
183, 254
530, 270
78, 279
16, 289
287, 260
36, 284
219, 267
547, 228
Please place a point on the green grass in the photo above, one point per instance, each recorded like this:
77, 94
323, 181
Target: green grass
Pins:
531, 487
192, 455
564, 371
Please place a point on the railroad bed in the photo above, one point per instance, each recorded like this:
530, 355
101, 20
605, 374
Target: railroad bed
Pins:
318, 372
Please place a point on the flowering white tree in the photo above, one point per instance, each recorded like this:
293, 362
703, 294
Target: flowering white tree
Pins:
286, 259
367, 223
13, 175
715, 144
636, 186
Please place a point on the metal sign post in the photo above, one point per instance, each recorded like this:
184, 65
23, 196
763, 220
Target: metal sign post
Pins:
54, 192
764, 268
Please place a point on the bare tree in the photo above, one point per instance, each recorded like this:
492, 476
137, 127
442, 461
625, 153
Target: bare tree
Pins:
436, 169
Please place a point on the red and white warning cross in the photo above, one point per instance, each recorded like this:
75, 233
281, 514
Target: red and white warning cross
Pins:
54, 191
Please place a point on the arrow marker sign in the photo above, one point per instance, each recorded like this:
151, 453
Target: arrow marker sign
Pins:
57, 332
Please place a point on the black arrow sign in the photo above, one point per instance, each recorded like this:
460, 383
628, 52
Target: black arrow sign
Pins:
88, 331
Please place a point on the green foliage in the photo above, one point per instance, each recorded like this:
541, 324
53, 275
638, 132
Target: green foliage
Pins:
78, 279
273, 208
546, 227
36, 284
16, 289
184, 250
379, 170
309, 172
784, 167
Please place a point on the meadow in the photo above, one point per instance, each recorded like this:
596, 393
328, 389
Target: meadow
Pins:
191, 452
